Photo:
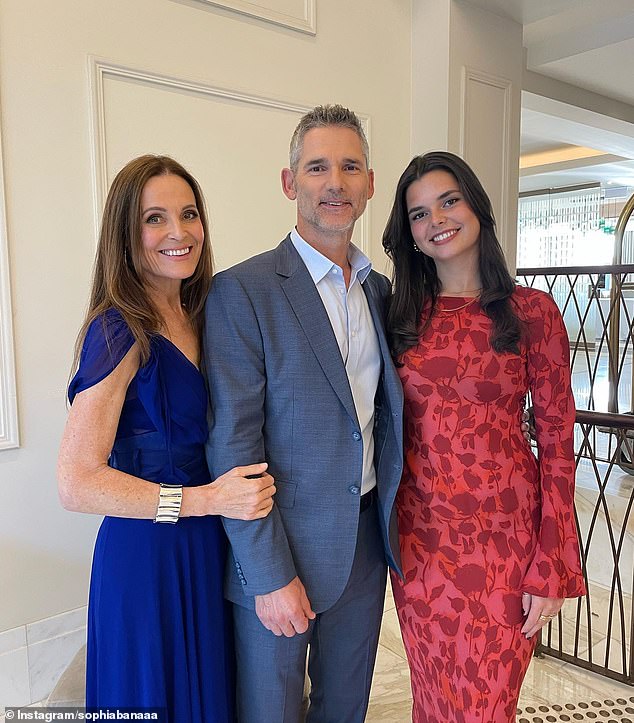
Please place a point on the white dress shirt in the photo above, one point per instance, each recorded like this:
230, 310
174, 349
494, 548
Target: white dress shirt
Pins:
354, 330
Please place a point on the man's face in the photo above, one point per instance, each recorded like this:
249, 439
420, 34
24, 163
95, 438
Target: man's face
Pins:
331, 184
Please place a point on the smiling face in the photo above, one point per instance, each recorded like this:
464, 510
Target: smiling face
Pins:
171, 231
332, 184
441, 221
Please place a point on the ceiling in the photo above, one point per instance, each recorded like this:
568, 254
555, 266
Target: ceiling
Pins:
588, 44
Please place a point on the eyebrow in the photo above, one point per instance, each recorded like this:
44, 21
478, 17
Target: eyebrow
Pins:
324, 161
440, 198
161, 208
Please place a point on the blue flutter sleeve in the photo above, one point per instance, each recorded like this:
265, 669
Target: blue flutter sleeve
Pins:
107, 341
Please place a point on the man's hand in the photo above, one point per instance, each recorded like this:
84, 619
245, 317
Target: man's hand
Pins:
286, 611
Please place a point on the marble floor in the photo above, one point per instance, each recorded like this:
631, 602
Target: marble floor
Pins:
548, 683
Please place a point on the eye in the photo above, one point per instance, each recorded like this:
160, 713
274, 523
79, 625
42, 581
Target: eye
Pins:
190, 215
153, 219
351, 167
451, 202
316, 169
418, 216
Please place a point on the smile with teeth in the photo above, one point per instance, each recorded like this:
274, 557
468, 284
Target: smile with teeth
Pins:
444, 236
176, 252
335, 204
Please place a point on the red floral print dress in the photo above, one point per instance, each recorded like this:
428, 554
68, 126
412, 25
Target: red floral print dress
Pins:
480, 520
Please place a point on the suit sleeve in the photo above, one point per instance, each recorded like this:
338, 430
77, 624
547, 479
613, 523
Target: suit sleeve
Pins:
236, 373
555, 570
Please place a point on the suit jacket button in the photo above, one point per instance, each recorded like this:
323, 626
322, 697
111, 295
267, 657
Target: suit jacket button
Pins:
356, 436
354, 490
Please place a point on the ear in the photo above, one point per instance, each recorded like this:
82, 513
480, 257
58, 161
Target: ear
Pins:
288, 184
370, 183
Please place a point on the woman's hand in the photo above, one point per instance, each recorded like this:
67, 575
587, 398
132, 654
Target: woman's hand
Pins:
242, 493
539, 611
527, 425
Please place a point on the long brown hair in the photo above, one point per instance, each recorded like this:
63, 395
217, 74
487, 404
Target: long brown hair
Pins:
415, 280
117, 280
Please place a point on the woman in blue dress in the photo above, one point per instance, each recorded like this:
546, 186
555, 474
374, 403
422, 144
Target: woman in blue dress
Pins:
133, 450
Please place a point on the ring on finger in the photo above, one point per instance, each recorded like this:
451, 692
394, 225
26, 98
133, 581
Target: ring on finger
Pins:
547, 617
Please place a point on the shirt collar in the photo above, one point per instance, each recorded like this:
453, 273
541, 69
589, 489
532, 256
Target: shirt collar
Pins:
318, 265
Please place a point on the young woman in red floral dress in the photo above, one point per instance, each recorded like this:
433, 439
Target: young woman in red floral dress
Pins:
487, 532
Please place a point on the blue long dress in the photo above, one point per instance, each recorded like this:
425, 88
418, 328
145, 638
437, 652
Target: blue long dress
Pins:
158, 627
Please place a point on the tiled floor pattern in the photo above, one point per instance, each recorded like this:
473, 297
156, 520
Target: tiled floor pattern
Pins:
619, 710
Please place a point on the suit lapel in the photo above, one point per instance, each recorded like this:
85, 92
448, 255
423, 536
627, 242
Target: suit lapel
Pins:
302, 294
376, 310
389, 376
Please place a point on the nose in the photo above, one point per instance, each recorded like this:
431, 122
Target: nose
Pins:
335, 180
437, 216
176, 229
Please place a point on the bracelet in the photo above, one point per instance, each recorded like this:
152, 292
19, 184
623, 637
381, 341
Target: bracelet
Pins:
169, 504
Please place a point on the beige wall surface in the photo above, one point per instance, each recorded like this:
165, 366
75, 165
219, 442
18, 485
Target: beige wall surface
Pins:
86, 85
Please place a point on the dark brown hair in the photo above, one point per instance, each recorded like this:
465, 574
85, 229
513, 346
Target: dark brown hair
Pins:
415, 279
117, 280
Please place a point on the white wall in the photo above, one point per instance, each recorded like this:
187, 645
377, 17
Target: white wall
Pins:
54, 171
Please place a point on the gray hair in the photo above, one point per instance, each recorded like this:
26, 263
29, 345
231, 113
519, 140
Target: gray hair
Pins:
320, 117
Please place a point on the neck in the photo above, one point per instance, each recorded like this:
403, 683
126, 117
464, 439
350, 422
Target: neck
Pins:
334, 247
460, 292
459, 281
167, 299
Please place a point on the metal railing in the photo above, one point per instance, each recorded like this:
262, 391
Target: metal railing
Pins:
598, 307
596, 632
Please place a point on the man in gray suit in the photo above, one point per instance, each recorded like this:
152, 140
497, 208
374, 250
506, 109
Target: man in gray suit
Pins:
300, 375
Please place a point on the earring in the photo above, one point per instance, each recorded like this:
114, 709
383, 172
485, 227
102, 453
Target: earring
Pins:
416, 247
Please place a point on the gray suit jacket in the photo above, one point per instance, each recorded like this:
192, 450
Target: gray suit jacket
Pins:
279, 393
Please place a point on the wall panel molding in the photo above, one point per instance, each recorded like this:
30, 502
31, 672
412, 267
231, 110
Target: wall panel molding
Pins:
304, 21
487, 97
8, 396
101, 70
